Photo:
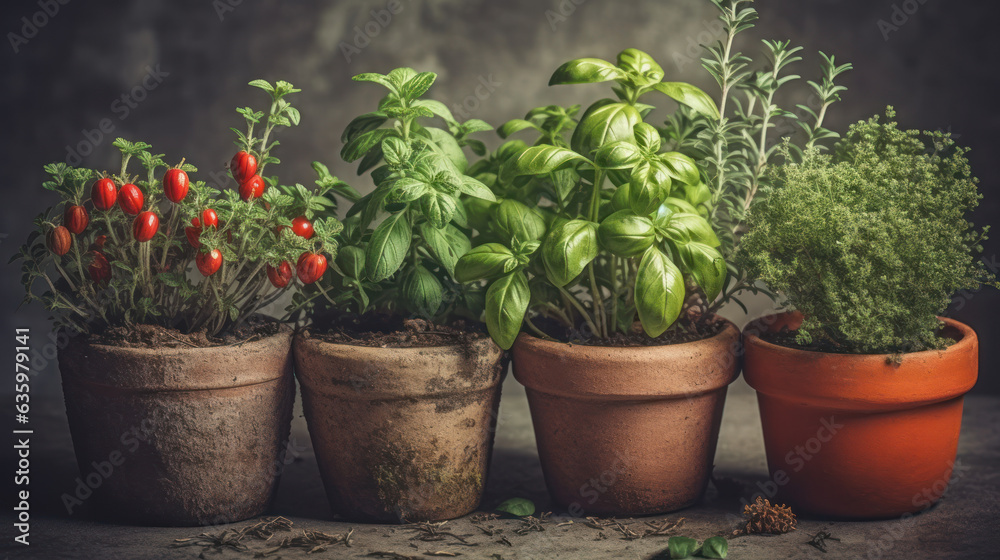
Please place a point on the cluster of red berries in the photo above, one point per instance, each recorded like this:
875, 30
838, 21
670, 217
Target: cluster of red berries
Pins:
105, 194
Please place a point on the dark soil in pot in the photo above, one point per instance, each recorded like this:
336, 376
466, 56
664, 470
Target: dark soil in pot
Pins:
402, 423
177, 434
627, 430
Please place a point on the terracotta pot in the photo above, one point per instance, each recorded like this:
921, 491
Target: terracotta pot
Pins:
179, 436
627, 431
401, 434
857, 435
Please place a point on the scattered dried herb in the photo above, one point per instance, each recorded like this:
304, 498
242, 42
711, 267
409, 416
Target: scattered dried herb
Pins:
764, 518
818, 541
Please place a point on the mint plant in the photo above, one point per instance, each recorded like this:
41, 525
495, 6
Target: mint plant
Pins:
870, 242
599, 228
402, 240
735, 147
132, 259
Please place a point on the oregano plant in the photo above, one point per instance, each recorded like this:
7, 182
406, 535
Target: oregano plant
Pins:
148, 245
599, 228
403, 239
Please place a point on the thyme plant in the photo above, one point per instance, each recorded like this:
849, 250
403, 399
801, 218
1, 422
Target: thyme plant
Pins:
869, 243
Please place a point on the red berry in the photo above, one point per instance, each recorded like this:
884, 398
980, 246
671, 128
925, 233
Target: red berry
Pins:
252, 188
243, 166
104, 194
76, 219
130, 198
311, 267
281, 276
175, 184
144, 226
59, 240
209, 218
98, 244
302, 227
193, 233
99, 268
209, 263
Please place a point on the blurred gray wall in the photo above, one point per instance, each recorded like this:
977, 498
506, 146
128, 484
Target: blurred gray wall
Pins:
183, 66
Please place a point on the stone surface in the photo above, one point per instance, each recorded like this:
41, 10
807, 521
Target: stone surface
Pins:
962, 526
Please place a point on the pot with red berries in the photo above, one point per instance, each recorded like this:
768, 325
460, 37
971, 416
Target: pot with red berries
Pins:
157, 282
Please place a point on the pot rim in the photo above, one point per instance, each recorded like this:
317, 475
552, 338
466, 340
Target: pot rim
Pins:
750, 336
629, 373
858, 382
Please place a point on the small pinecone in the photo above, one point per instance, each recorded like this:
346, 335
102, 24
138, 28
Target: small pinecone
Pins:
762, 517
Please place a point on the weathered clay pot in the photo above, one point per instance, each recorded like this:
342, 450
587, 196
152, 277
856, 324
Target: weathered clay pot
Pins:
858, 435
401, 434
627, 431
179, 436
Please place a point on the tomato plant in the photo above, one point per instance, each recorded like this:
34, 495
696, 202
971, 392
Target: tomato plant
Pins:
401, 241
598, 229
138, 269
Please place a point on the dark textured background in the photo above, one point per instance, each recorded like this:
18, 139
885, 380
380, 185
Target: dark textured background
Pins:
938, 69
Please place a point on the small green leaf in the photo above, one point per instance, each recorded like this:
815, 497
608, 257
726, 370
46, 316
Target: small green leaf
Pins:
262, 84
639, 63
604, 122
585, 71
446, 245
417, 85
691, 96
568, 249
618, 155
715, 547
538, 160
363, 124
515, 125
475, 188
683, 228
519, 507
506, 303
659, 292
485, 261
517, 221
395, 151
647, 138
681, 167
407, 189
359, 146
351, 261
388, 247
706, 265
681, 547
422, 292
626, 234
649, 185
438, 208
378, 79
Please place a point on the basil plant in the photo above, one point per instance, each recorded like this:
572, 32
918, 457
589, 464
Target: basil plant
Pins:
598, 229
401, 241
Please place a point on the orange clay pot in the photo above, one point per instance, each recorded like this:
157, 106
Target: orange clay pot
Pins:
856, 435
627, 431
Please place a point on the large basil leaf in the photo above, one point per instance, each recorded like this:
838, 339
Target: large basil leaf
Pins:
626, 234
422, 291
706, 266
659, 292
603, 123
538, 160
388, 246
568, 249
618, 155
516, 221
506, 303
485, 261
585, 71
691, 96
446, 245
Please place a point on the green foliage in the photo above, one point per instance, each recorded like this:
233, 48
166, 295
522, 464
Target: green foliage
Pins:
156, 282
736, 146
685, 547
596, 229
871, 241
403, 239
